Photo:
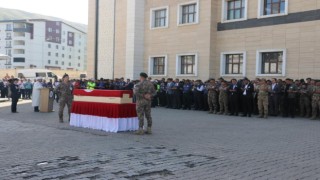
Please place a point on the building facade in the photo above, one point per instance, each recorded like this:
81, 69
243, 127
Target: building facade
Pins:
201, 39
38, 43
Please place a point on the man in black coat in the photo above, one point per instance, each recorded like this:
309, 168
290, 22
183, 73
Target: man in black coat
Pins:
234, 98
15, 94
247, 97
274, 96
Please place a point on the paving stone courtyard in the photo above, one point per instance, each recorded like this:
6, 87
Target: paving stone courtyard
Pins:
184, 145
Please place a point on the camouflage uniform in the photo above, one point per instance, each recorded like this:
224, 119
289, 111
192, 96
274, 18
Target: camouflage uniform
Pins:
304, 102
315, 102
263, 100
66, 97
143, 104
212, 98
223, 100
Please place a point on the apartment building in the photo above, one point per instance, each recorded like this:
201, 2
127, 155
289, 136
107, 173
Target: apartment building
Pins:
201, 39
39, 43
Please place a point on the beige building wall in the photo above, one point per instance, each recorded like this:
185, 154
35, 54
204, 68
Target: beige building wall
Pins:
91, 38
300, 40
136, 42
179, 39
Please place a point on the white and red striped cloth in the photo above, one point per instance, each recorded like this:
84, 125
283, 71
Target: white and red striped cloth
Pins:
105, 116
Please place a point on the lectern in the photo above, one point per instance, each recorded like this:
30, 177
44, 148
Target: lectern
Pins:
46, 100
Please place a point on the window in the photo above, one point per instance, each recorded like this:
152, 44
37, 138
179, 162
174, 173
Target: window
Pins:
187, 65
233, 64
69, 63
57, 54
57, 62
57, 31
70, 35
62, 63
8, 27
62, 47
49, 45
49, 53
49, 29
234, 10
63, 40
49, 61
78, 64
157, 66
19, 60
70, 42
58, 23
79, 51
69, 56
8, 52
159, 17
57, 46
188, 13
271, 8
8, 44
271, 62
8, 36
62, 55
79, 57
57, 39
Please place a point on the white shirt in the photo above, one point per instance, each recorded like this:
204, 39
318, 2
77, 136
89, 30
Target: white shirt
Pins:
245, 90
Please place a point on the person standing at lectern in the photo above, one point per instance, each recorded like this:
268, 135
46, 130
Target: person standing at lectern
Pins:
36, 94
65, 90
144, 91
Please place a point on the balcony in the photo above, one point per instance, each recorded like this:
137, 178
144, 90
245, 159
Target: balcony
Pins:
8, 29
8, 46
8, 38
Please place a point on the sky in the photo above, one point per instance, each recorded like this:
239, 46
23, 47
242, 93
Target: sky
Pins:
71, 10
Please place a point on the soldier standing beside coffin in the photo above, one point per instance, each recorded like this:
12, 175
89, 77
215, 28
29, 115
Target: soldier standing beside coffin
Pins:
65, 90
144, 92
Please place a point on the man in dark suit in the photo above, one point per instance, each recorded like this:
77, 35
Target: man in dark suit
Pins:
274, 97
247, 97
15, 94
234, 98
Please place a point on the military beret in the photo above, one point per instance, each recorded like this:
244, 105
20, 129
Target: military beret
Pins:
143, 75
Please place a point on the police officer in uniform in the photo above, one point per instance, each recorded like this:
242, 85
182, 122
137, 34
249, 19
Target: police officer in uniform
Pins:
65, 90
144, 91
15, 94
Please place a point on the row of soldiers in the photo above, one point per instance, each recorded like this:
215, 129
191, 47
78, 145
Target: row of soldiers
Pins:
263, 97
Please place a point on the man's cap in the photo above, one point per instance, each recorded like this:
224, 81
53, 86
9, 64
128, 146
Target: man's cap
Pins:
245, 79
143, 75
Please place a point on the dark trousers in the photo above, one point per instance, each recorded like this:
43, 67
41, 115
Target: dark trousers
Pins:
169, 100
291, 107
162, 99
285, 107
274, 105
4, 93
234, 104
205, 102
198, 100
28, 93
177, 100
247, 102
14, 102
186, 100
23, 93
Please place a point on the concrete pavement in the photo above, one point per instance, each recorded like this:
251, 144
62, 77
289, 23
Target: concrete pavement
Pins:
184, 145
